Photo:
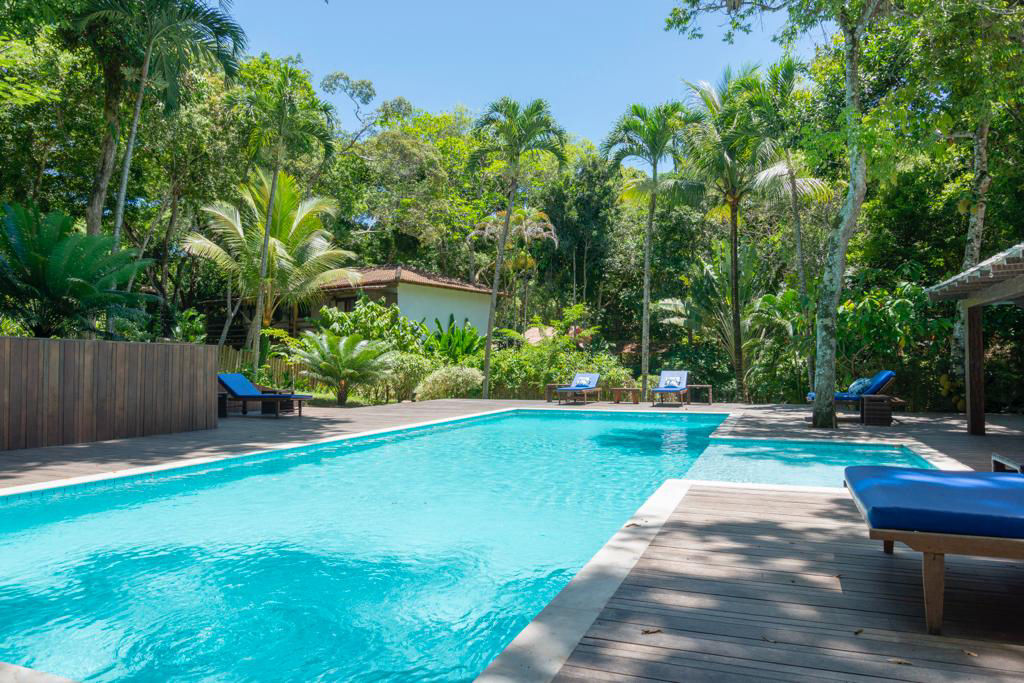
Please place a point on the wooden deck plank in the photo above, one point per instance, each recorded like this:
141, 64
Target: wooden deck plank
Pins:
741, 580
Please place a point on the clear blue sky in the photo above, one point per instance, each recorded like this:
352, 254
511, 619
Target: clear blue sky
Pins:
589, 59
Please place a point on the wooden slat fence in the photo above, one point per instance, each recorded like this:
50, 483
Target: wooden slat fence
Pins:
63, 391
230, 359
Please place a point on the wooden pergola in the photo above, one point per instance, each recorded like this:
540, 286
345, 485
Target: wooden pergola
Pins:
998, 280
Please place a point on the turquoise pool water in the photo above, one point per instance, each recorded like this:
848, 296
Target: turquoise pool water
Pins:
414, 555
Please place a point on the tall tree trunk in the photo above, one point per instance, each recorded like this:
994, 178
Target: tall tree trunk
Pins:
166, 317
126, 168
113, 87
801, 267
342, 392
824, 414
253, 338
229, 317
583, 288
645, 330
574, 274
496, 284
975, 231
734, 286
129, 149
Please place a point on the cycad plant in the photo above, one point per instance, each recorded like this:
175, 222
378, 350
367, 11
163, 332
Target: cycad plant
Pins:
301, 257
510, 131
54, 280
342, 362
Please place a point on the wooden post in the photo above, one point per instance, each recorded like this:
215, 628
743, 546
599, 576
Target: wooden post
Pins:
974, 366
933, 573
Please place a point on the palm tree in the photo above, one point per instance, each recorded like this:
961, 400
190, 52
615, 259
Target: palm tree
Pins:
527, 226
54, 280
282, 121
512, 131
342, 362
302, 258
728, 157
773, 99
171, 35
651, 135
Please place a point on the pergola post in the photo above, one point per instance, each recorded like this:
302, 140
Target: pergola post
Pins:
974, 366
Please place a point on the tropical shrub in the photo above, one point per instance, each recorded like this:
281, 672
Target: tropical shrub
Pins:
54, 280
454, 343
342, 362
450, 382
191, 327
372, 320
407, 371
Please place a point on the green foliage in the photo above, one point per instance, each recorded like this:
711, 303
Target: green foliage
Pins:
9, 327
407, 371
301, 259
191, 327
454, 343
450, 382
372, 320
342, 362
53, 279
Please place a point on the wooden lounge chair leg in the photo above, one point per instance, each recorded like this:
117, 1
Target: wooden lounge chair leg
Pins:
933, 574
887, 547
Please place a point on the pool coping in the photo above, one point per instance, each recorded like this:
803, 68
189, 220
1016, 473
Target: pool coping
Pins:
538, 652
12, 673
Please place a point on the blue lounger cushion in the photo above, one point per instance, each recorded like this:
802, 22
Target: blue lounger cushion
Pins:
967, 503
239, 386
672, 382
582, 381
877, 382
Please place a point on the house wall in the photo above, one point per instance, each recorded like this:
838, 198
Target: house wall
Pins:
418, 303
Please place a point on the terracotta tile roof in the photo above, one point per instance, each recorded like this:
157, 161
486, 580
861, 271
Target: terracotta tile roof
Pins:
382, 276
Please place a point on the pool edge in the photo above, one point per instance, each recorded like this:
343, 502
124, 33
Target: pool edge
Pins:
12, 673
181, 463
540, 650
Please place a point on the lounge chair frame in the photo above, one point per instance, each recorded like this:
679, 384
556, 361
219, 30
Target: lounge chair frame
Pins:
934, 548
883, 390
272, 396
575, 395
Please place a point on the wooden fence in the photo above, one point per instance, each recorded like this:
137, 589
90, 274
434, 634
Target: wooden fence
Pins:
63, 391
230, 359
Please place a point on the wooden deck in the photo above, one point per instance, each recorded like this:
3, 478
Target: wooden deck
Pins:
756, 584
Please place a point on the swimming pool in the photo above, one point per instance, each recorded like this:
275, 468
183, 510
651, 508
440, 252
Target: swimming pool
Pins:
417, 554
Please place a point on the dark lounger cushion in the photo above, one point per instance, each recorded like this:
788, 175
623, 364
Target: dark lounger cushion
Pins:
969, 503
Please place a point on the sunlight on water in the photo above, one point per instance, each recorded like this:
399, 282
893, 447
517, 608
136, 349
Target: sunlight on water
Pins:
415, 555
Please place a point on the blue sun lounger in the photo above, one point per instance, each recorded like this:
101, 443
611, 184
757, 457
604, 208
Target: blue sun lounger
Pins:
879, 384
671, 382
583, 384
241, 389
937, 513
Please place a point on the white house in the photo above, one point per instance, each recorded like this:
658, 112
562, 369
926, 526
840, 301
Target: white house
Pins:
420, 295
